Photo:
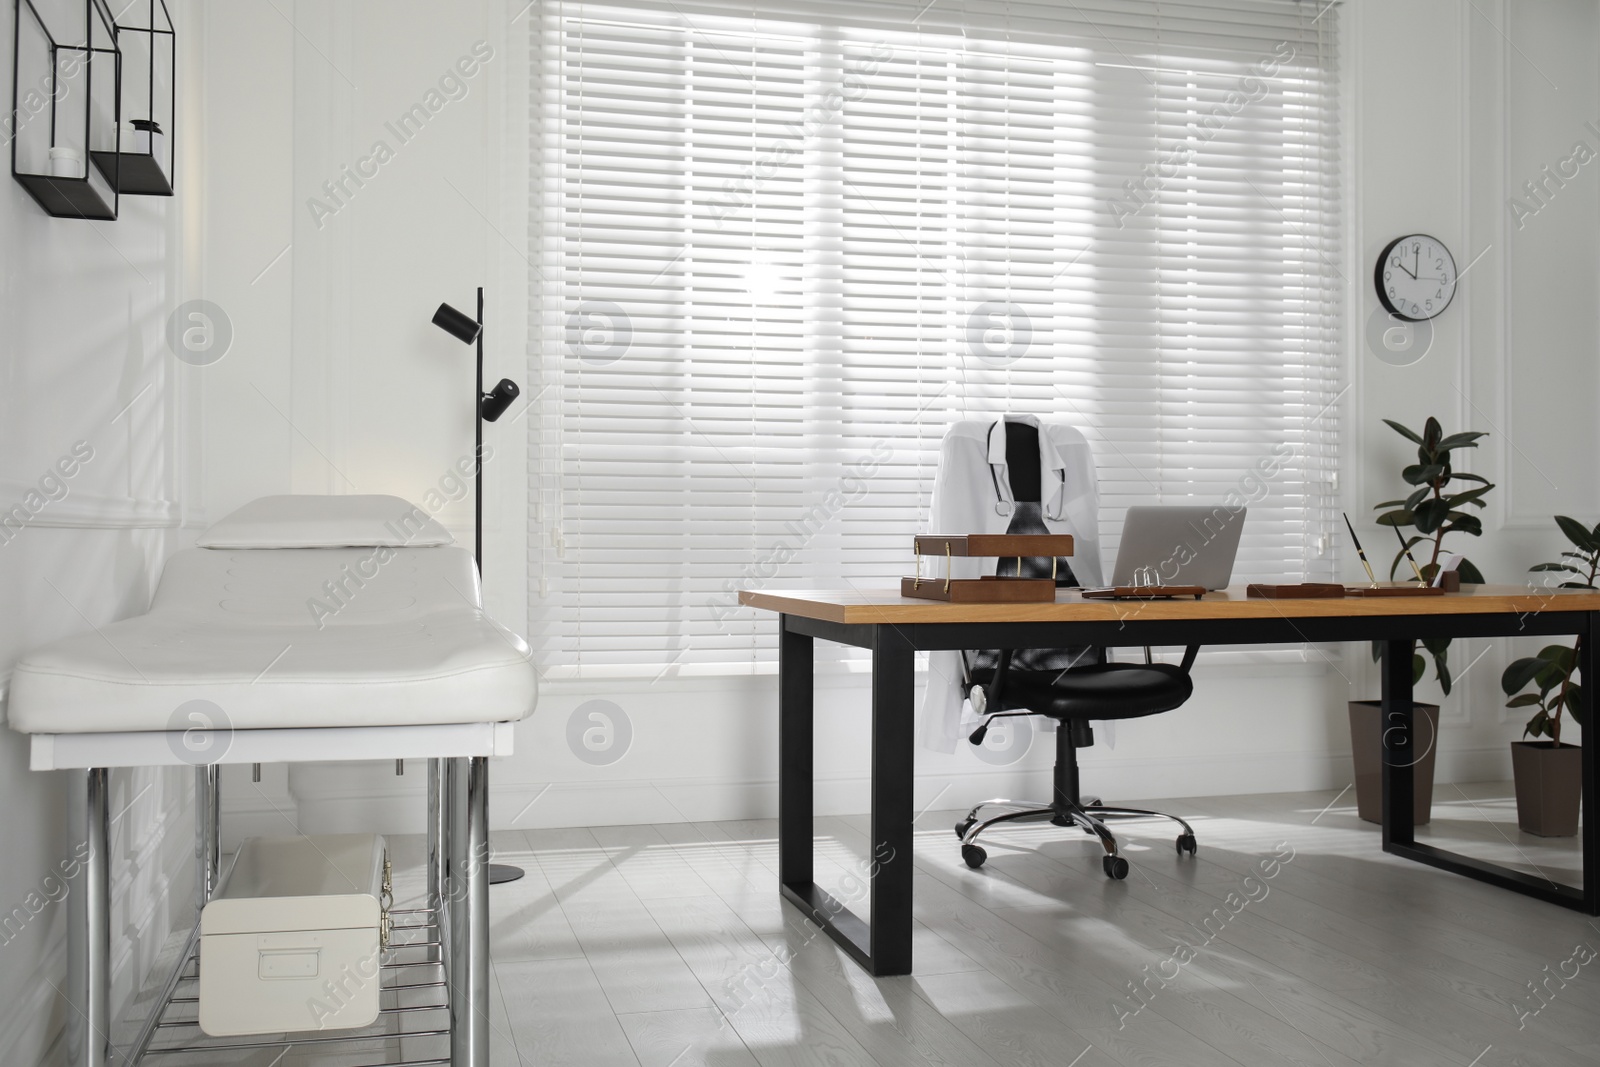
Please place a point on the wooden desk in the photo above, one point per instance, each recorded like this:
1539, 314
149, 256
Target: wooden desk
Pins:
896, 627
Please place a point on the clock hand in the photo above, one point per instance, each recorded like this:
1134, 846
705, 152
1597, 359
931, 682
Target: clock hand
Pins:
1407, 269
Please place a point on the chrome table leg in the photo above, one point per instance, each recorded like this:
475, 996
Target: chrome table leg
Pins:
89, 935
207, 832
436, 856
467, 976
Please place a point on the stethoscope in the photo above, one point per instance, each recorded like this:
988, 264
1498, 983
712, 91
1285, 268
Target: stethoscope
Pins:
1006, 507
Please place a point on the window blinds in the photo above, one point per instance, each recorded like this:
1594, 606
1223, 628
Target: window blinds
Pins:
779, 248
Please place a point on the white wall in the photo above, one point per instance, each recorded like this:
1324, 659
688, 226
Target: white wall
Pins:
1454, 107
338, 382
1444, 115
85, 360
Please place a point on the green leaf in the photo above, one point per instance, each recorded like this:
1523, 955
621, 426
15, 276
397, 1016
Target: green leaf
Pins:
1423, 474
1395, 518
1471, 496
1402, 431
1538, 726
1443, 674
1414, 499
1576, 706
1473, 478
1467, 439
1438, 646
1430, 515
1549, 677
1432, 433
1577, 533
1419, 667
1516, 677
1523, 700
1470, 574
1560, 655
1391, 504
1554, 567
1470, 525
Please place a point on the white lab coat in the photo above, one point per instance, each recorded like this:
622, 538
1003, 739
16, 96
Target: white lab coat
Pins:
972, 494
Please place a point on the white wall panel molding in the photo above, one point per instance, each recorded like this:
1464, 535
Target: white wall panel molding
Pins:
90, 511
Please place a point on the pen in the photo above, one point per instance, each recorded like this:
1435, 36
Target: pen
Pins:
1407, 550
1359, 550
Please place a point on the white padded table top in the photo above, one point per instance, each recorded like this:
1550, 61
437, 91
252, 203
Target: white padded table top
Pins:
279, 638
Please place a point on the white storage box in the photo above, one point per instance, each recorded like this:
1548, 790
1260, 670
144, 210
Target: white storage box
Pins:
293, 940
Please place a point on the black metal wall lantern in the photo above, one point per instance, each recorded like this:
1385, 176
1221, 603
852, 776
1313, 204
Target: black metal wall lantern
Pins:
143, 155
51, 138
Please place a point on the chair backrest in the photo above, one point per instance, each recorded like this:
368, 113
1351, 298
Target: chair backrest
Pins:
1022, 462
987, 467
973, 496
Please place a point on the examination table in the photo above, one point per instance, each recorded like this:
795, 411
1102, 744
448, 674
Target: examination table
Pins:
301, 629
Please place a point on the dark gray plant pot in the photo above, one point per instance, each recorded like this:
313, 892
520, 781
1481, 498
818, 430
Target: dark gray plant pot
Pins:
1366, 746
1549, 787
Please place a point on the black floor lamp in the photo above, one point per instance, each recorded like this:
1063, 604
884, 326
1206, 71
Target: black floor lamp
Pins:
490, 406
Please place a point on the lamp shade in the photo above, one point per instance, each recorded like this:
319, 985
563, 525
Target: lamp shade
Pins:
494, 403
462, 327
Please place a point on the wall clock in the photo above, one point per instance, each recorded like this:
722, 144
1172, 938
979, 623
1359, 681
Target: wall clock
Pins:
1416, 277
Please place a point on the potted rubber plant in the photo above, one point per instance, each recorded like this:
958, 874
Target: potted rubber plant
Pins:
1548, 773
1436, 507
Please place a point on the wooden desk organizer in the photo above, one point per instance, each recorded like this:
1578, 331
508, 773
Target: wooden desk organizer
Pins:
991, 588
1402, 589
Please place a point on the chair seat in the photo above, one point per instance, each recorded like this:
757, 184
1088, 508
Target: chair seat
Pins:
1106, 691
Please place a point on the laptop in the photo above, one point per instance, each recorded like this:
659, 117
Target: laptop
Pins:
1182, 544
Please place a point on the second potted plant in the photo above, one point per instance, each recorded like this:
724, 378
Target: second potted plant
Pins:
1549, 774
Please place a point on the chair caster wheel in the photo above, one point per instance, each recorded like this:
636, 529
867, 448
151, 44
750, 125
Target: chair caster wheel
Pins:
962, 827
1187, 843
1116, 867
974, 855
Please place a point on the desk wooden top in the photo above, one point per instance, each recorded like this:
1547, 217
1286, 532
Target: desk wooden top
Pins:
869, 606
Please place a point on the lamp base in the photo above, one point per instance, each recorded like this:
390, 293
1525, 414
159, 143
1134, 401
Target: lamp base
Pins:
501, 873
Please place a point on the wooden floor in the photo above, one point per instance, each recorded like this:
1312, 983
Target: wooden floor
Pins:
666, 946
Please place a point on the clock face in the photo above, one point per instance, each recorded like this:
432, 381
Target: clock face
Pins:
1416, 277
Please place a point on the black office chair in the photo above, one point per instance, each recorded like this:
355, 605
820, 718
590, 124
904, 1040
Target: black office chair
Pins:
1072, 686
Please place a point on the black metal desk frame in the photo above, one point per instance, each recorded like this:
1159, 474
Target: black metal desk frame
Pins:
883, 947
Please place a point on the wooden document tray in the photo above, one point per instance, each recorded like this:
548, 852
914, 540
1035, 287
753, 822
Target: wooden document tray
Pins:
994, 545
989, 589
